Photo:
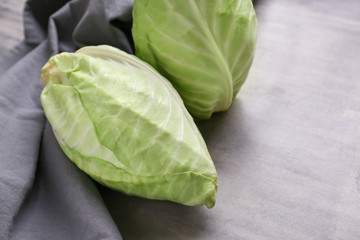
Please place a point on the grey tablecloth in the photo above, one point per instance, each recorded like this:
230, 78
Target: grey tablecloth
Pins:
42, 194
287, 152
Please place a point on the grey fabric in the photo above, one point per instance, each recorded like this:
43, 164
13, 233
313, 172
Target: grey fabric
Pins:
43, 195
287, 152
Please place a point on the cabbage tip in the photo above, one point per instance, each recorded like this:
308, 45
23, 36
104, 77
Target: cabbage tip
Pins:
204, 47
123, 124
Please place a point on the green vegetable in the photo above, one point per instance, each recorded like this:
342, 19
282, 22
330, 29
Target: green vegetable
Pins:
204, 47
124, 124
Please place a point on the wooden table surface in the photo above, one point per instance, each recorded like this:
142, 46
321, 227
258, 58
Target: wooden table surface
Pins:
287, 152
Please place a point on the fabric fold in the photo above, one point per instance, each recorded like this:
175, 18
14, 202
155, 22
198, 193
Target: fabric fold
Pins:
21, 123
42, 194
64, 202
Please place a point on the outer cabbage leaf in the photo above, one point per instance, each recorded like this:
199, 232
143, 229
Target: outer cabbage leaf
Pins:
123, 124
204, 47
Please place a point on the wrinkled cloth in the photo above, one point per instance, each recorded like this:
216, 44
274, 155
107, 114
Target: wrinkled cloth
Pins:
287, 151
42, 194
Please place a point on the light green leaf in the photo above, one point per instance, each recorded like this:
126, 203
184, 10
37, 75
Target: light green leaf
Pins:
123, 124
204, 47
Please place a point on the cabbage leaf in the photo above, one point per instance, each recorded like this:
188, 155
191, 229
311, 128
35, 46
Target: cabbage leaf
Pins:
204, 47
124, 124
